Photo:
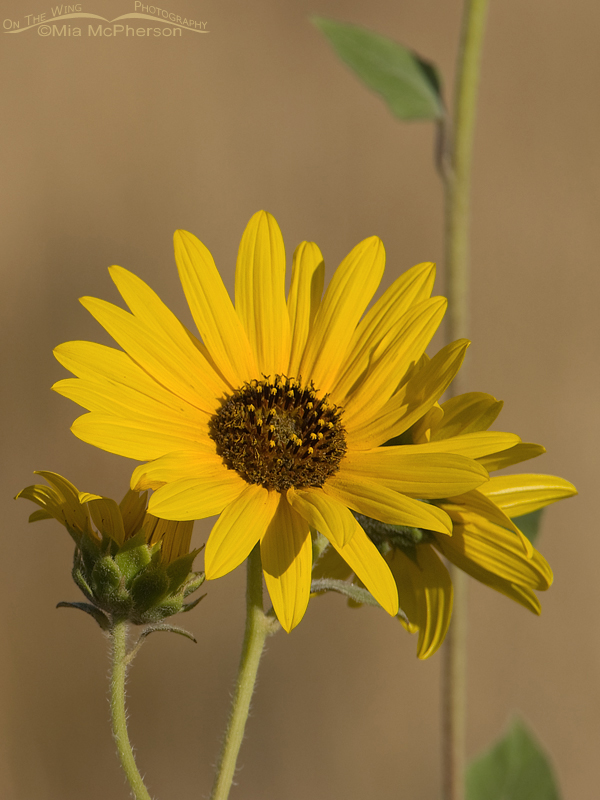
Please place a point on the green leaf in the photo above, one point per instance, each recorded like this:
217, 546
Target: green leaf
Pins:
529, 524
94, 612
409, 85
169, 629
153, 629
513, 769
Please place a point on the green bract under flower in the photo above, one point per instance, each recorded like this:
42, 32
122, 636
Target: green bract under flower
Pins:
129, 564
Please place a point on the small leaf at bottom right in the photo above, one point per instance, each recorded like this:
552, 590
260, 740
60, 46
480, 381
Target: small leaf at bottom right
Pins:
515, 768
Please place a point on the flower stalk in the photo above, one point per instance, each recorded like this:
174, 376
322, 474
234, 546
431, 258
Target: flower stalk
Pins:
118, 712
457, 178
258, 627
457, 184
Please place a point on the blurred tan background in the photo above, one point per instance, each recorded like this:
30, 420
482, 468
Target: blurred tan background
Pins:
108, 146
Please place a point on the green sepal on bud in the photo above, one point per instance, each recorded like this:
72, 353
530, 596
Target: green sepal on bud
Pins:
134, 584
133, 556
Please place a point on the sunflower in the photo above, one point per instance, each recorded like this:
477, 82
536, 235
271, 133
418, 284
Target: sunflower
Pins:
128, 563
485, 542
274, 418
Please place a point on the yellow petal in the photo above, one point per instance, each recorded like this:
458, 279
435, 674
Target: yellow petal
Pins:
473, 507
325, 514
174, 536
306, 288
189, 377
149, 310
521, 494
514, 455
420, 475
73, 508
286, 554
113, 367
198, 462
133, 511
520, 594
241, 525
219, 325
125, 403
134, 438
411, 288
385, 505
154, 315
412, 401
370, 567
260, 293
498, 551
421, 430
106, 515
467, 413
197, 497
472, 445
60, 500
426, 594
345, 300
51, 503
390, 360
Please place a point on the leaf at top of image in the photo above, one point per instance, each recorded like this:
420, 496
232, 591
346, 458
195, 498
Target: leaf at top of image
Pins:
515, 768
409, 85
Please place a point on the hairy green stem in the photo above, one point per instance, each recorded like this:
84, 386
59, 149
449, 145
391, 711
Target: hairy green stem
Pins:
457, 179
118, 713
258, 627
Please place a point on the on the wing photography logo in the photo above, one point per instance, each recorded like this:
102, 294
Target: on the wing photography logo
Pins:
62, 21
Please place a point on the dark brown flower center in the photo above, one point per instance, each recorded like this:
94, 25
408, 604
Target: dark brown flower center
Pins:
278, 433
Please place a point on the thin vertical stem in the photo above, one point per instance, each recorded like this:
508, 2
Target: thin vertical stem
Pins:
457, 180
454, 693
458, 183
119, 713
258, 627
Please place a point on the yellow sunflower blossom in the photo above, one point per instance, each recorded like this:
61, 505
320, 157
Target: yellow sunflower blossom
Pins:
128, 563
485, 542
274, 418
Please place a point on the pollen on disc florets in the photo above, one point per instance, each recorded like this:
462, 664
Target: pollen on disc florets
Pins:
279, 434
